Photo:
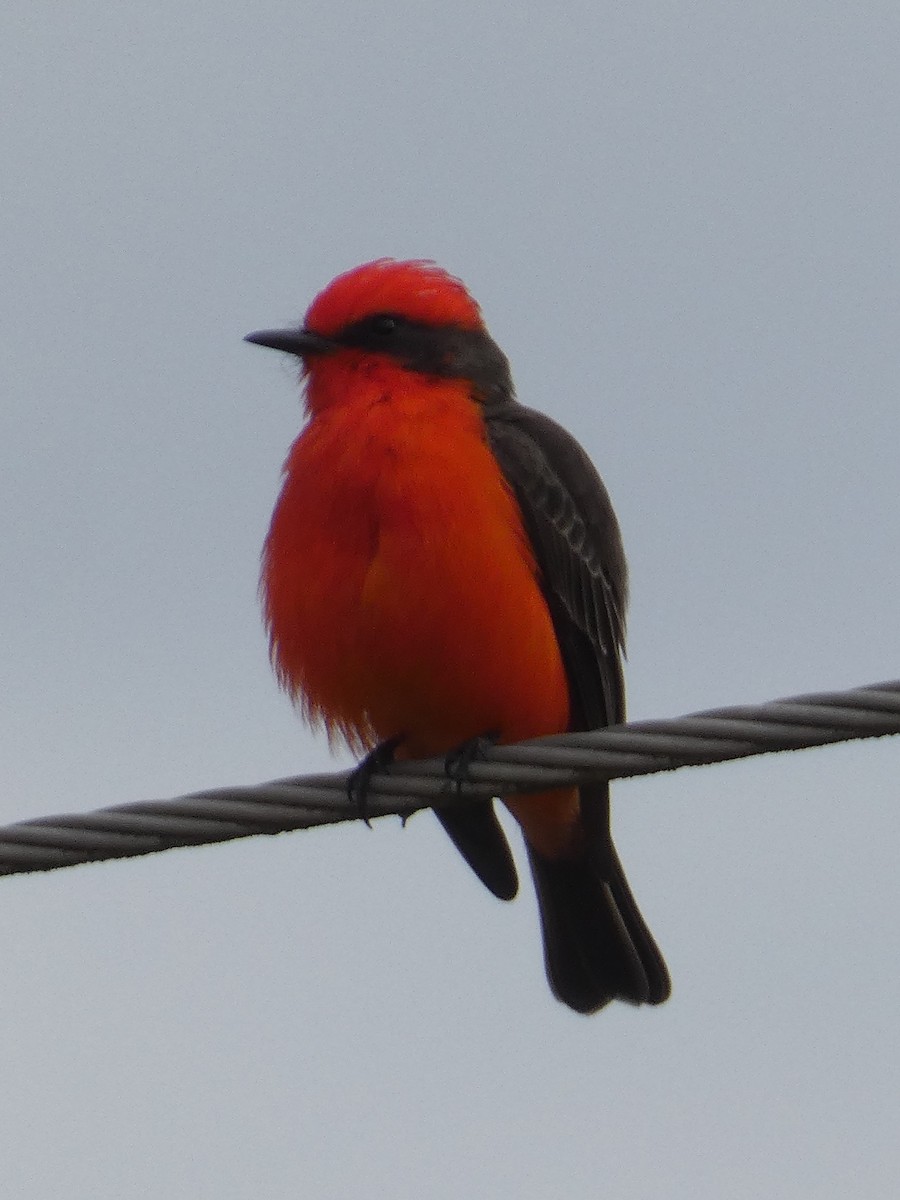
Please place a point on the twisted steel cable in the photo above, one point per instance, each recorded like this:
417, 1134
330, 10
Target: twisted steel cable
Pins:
621, 751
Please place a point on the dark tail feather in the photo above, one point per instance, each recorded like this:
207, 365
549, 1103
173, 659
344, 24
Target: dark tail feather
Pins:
479, 837
655, 969
597, 947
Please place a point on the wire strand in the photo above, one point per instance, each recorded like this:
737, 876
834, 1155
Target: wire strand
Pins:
618, 752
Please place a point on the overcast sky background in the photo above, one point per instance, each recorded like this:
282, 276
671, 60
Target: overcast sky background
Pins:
681, 222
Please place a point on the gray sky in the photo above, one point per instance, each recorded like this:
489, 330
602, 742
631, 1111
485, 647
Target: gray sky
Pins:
681, 222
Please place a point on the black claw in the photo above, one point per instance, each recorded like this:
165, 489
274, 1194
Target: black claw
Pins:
460, 759
358, 782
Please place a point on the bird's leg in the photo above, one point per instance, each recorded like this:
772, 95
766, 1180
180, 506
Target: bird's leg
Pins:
460, 759
358, 782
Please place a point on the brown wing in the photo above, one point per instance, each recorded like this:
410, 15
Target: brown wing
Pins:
596, 944
575, 537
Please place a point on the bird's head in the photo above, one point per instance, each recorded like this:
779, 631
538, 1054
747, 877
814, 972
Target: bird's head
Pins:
411, 316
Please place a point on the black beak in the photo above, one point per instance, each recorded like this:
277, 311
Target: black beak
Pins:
292, 341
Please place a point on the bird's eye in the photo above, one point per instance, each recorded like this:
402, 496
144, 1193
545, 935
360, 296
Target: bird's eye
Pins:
385, 323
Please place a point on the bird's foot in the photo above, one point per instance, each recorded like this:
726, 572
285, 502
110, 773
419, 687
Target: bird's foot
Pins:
460, 759
358, 782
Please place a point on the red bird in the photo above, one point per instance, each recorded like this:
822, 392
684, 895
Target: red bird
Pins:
442, 563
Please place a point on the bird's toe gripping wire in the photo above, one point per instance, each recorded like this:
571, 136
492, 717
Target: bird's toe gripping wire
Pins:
360, 779
460, 759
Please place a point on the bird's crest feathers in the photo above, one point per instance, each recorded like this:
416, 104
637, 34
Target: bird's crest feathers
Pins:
417, 289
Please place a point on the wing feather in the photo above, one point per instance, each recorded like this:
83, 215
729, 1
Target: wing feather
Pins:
575, 537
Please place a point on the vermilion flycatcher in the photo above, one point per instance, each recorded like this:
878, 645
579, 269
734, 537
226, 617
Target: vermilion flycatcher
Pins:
443, 563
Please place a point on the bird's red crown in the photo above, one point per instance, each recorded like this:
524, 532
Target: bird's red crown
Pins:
416, 289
